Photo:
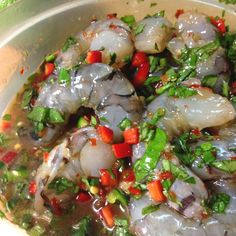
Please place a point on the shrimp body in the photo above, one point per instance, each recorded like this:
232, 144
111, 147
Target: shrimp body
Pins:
73, 158
157, 31
206, 109
112, 37
96, 86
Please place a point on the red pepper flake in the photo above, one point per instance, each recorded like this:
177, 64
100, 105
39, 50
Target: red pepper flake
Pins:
111, 15
196, 132
22, 70
83, 197
134, 191
32, 188
56, 208
219, 23
45, 156
128, 175
9, 157
165, 175
93, 141
179, 12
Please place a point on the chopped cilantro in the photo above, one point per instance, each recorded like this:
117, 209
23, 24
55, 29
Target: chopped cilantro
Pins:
139, 28
26, 98
70, 41
83, 227
219, 202
112, 58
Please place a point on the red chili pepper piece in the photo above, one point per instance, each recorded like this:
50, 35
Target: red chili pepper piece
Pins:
56, 208
83, 197
166, 175
141, 75
5, 125
8, 157
134, 191
156, 191
131, 136
108, 216
179, 12
128, 175
139, 58
93, 141
48, 69
111, 15
32, 187
196, 132
105, 133
122, 150
107, 178
94, 57
219, 23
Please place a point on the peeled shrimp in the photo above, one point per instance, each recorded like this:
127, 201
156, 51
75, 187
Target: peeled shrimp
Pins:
97, 86
225, 143
166, 222
206, 109
73, 158
110, 36
156, 33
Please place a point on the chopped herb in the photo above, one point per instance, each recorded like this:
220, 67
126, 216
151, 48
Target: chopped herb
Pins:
7, 117
37, 230
93, 121
153, 63
157, 116
153, 4
70, 41
112, 58
129, 20
82, 122
104, 119
125, 123
3, 139
17, 175
225, 89
164, 88
27, 96
121, 227
209, 81
55, 116
117, 195
83, 227
50, 58
219, 202
62, 184
178, 172
167, 183
228, 166
64, 76
146, 132
127, 59
26, 221
149, 209
2, 215
160, 14
38, 114
151, 157
1, 164
138, 29
152, 79
181, 91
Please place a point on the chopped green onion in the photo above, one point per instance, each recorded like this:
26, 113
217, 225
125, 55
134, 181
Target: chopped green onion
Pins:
228, 166
64, 76
181, 91
112, 58
219, 202
38, 114
50, 58
3, 139
83, 227
225, 89
138, 29
121, 227
129, 20
82, 122
26, 98
160, 14
55, 116
157, 115
117, 195
149, 209
7, 117
70, 41
209, 81
125, 123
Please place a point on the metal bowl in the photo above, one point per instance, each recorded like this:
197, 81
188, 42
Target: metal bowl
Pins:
30, 29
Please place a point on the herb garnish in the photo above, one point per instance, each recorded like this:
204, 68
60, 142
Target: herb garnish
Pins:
70, 41
219, 202
83, 227
138, 29
62, 184
129, 20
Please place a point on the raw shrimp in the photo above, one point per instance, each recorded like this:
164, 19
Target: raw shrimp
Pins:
156, 33
73, 158
225, 144
189, 195
112, 37
155, 223
206, 109
194, 30
97, 86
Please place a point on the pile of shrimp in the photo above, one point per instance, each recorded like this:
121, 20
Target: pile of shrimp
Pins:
108, 91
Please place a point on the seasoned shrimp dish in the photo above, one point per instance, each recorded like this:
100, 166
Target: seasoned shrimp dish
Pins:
128, 129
